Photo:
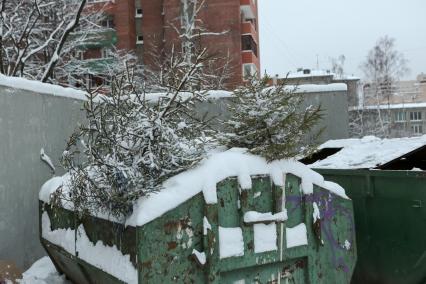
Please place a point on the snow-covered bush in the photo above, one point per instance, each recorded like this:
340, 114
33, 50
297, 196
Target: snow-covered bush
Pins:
270, 121
133, 141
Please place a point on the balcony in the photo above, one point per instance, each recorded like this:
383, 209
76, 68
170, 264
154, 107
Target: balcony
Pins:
102, 39
248, 44
95, 65
248, 28
249, 57
248, 9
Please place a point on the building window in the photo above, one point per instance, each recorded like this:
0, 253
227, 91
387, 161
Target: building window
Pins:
415, 116
139, 13
249, 70
248, 43
417, 129
106, 53
79, 54
106, 81
97, 1
139, 39
108, 23
400, 116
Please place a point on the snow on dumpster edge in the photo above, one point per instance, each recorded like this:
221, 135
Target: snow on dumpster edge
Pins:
106, 258
217, 167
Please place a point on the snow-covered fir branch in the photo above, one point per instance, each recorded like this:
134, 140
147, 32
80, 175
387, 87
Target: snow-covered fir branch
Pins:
132, 145
270, 121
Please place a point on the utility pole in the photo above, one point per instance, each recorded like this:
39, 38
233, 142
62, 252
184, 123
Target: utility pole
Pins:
317, 62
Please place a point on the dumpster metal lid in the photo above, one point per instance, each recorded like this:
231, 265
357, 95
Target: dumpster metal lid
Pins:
371, 153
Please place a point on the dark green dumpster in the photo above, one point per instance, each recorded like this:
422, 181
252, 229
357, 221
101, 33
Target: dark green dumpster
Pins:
390, 221
300, 231
387, 183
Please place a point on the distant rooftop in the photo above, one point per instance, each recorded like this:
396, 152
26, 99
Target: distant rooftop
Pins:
390, 106
304, 73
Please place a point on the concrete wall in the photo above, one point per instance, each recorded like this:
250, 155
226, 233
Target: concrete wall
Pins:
335, 120
28, 122
31, 121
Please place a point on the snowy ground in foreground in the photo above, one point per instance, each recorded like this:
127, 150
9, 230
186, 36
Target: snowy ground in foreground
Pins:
43, 272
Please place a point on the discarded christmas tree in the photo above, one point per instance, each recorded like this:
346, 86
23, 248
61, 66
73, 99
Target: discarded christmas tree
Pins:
133, 141
271, 121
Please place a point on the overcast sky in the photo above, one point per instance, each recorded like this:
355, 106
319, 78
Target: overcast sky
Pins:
294, 32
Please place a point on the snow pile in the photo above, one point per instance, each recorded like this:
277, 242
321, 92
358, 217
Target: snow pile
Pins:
42, 272
217, 167
368, 152
201, 256
65, 238
108, 259
231, 242
316, 214
41, 88
257, 217
206, 226
50, 186
347, 245
297, 236
265, 237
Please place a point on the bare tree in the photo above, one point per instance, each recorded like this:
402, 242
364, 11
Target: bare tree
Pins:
383, 68
189, 31
41, 39
191, 28
338, 65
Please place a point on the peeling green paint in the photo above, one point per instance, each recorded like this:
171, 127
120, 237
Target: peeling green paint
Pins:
162, 249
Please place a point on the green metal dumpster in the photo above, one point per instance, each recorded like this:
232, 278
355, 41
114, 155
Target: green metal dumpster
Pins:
264, 234
386, 180
390, 221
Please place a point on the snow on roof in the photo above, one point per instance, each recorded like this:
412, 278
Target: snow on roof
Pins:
315, 88
219, 94
213, 94
217, 167
391, 106
41, 88
56, 90
368, 152
320, 73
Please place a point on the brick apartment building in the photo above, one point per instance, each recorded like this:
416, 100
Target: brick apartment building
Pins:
147, 27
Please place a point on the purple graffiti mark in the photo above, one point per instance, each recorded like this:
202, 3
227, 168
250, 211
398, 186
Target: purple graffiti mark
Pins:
329, 208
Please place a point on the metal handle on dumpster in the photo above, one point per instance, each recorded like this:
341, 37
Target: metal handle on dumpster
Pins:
417, 204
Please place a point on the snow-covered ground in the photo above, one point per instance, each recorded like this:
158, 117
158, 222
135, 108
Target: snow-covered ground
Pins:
43, 272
